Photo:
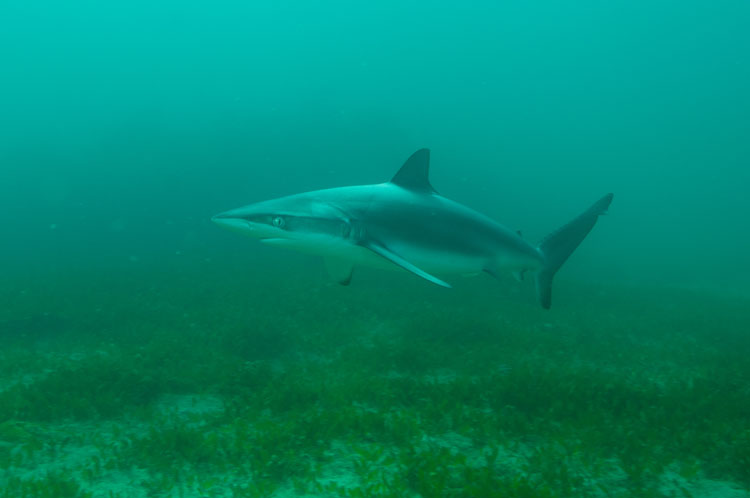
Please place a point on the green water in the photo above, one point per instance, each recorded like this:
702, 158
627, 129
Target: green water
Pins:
144, 352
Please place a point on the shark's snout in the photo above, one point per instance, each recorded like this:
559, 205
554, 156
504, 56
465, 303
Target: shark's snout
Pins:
221, 216
230, 221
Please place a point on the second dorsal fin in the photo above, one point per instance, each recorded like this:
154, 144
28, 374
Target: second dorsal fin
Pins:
414, 174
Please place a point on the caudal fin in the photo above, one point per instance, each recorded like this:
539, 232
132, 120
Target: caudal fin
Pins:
560, 244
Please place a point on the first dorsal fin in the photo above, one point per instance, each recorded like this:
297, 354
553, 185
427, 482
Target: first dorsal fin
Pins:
414, 174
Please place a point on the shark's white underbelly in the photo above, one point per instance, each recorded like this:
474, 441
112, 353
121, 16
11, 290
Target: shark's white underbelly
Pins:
429, 260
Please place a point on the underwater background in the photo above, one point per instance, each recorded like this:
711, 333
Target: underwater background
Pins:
146, 352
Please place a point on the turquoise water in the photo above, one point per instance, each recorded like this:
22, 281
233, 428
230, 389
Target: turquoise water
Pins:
146, 352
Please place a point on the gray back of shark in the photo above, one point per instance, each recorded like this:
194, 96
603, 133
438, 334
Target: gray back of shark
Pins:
405, 223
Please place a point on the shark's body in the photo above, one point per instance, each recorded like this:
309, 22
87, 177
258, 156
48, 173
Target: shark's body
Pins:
405, 223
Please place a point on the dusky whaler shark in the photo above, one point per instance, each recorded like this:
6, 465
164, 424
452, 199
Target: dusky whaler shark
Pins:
405, 223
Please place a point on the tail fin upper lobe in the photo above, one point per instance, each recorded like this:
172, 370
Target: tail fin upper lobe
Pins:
560, 244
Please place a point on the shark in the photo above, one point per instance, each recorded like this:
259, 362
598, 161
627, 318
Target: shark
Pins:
405, 223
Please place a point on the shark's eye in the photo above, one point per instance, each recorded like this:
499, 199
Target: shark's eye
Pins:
278, 222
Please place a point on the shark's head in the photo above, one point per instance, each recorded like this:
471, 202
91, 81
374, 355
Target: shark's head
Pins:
302, 220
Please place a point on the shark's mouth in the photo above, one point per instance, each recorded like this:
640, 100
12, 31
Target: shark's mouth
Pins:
272, 240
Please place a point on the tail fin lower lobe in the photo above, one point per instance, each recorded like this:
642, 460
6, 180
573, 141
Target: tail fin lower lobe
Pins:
560, 244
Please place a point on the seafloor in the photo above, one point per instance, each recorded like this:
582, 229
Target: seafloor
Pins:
201, 379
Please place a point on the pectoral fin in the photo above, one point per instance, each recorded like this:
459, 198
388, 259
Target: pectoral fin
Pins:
340, 270
397, 260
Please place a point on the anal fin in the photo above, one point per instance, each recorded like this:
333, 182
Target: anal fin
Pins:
517, 274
